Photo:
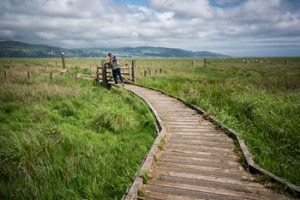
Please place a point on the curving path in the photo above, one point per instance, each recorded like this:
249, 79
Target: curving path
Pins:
198, 162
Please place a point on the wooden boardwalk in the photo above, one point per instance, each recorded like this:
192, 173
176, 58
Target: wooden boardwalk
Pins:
198, 161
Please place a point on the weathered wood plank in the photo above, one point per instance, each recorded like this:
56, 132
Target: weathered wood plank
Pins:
214, 173
162, 196
191, 193
222, 140
185, 166
194, 157
214, 184
199, 162
200, 143
197, 155
226, 193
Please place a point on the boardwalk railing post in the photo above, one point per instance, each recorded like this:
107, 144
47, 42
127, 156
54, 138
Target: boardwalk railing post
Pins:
133, 71
97, 74
104, 75
204, 62
63, 60
5, 75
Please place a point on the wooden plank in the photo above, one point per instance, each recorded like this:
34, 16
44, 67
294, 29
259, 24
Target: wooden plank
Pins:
190, 193
215, 184
197, 149
162, 196
196, 157
213, 148
202, 138
199, 155
213, 173
203, 168
212, 177
200, 143
223, 192
205, 163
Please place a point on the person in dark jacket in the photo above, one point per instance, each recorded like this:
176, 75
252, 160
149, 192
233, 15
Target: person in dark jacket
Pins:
115, 68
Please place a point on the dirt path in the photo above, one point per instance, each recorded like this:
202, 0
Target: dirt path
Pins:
198, 161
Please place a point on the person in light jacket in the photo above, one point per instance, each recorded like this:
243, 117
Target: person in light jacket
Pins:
115, 68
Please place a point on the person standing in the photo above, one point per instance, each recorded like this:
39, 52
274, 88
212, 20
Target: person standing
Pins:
115, 68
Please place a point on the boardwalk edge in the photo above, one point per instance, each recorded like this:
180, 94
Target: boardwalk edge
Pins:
252, 166
132, 191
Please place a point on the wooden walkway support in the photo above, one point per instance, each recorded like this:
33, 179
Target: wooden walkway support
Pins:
198, 161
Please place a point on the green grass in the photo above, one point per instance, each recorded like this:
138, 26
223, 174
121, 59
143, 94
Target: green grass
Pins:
259, 100
63, 139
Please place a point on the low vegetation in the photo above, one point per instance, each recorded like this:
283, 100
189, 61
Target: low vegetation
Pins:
61, 139
258, 98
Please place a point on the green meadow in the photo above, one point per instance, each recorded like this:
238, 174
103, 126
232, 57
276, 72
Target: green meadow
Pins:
259, 98
67, 139
73, 139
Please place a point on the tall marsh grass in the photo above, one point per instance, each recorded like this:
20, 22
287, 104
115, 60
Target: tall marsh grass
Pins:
62, 139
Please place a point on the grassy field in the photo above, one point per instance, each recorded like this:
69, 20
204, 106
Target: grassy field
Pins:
67, 139
61, 139
258, 97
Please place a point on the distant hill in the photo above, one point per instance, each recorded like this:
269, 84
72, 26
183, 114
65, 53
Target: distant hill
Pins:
14, 49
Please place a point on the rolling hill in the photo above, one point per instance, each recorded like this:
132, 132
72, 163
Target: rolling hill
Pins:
14, 49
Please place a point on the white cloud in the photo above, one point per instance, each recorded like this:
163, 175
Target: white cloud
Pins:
45, 35
193, 8
189, 24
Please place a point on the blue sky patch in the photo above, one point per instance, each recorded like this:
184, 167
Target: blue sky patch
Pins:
133, 2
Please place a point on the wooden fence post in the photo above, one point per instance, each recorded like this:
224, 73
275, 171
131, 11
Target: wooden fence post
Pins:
56, 64
104, 75
145, 73
63, 60
76, 76
192, 62
160, 70
133, 71
51, 76
97, 74
5, 75
204, 62
28, 74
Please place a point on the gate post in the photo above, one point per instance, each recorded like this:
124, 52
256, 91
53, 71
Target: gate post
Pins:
63, 60
97, 74
104, 75
133, 71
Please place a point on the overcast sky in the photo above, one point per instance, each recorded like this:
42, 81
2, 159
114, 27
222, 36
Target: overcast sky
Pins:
232, 27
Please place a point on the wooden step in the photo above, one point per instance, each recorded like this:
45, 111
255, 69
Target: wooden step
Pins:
196, 155
190, 193
214, 192
200, 143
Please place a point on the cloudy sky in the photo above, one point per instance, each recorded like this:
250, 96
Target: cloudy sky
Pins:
232, 27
